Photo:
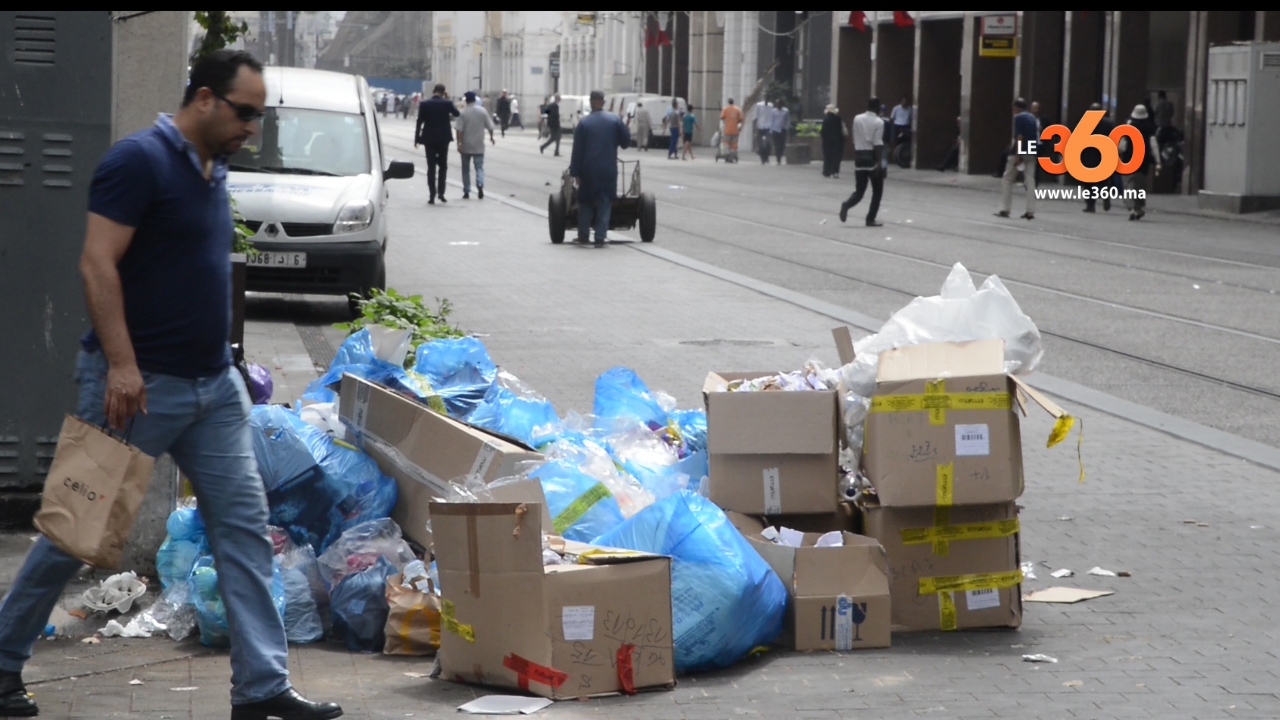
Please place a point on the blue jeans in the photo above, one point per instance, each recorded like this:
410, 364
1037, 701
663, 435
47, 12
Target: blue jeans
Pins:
467, 159
675, 142
204, 425
601, 209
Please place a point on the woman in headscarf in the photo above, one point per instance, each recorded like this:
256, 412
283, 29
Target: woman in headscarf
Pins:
833, 135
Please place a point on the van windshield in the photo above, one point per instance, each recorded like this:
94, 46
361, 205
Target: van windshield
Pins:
305, 142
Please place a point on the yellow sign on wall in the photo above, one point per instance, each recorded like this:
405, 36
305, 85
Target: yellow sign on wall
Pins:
1001, 47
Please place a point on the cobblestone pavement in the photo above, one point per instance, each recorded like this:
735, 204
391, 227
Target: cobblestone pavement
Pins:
1191, 634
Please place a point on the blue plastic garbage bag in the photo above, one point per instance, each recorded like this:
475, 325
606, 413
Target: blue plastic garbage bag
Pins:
304, 594
525, 417
692, 425
211, 613
459, 369
175, 558
185, 543
359, 605
284, 446
356, 349
725, 600
621, 393
581, 506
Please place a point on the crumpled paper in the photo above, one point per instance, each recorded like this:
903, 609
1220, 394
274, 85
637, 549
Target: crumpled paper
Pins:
813, 377
140, 627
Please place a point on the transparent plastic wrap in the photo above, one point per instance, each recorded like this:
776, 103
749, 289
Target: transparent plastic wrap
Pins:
581, 506
595, 460
725, 599
175, 611
620, 393
361, 547
360, 609
652, 460
512, 408
959, 313
211, 613
305, 594
459, 369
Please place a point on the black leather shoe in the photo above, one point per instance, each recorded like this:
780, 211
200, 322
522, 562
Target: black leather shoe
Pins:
288, 705
14, 700
874, 223
480, 191
844, 212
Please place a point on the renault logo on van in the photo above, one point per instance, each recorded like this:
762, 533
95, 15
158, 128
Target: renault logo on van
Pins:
272, 230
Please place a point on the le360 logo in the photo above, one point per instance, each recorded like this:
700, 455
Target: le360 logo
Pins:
1071, 145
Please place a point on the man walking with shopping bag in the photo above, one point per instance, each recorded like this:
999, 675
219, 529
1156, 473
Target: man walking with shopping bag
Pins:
157, 281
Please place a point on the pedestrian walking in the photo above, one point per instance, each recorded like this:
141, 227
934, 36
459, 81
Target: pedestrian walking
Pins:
731, 115
552, 111
900, 120
780, 127
404, 107
869, 162
472, 124
1025, 128
157, 361
515, 113
435, 131
594, 164
1137, 182
671, 122
690, 125
763, 128
833, 136
644, 127
1090, 157
503, 109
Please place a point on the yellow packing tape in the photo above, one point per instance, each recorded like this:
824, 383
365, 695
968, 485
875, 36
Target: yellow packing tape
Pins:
968, 531
946, 481
981, 581
941, 518
450, 623
946, 611
579, 507
944, 401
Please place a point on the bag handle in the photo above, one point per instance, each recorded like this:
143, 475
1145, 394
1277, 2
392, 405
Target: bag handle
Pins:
111, 432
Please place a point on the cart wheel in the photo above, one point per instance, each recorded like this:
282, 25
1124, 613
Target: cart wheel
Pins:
648, 217
556, 216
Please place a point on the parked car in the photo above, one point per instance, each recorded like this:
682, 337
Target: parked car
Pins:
311, 185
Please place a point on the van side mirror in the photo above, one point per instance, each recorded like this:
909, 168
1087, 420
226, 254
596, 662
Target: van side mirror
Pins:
398, 170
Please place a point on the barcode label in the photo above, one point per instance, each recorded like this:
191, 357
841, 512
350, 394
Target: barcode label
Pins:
982, 599
772, 492
973, 440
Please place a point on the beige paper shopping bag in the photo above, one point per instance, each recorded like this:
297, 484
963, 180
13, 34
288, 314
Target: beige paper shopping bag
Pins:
413, 625
92, 493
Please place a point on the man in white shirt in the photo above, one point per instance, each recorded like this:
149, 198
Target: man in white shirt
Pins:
901, 119
869, 161
471, 126
763, 129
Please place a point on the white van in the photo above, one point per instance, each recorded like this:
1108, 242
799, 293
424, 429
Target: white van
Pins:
311, 186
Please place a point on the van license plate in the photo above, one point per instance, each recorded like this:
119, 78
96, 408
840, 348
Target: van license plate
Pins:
278, 259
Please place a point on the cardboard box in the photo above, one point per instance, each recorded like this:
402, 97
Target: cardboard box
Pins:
424, 451
771, 453
973, 554
837, 597
943, 429
561, 631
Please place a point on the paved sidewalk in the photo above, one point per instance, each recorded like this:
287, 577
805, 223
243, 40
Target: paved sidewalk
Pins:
1191, 634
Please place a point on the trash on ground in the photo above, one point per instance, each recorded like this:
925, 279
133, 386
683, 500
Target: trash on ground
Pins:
78, 613
1063, 573
136, 681
1065, 595
1039, 658
1102, 572
1028, 571
505, 705
141, 626
416, 675
1073, 684
1065, 518
185, 689
91, 641
1123, 573
115, 593
413, 617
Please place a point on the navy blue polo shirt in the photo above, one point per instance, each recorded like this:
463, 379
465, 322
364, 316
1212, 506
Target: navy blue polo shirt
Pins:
176, 273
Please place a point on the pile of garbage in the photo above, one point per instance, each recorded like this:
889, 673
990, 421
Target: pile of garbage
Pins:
634, 476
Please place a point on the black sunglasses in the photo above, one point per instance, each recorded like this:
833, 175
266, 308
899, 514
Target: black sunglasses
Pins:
244, 113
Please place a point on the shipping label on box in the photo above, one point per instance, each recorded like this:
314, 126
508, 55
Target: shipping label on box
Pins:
771, 452
560, 631
950, 568
838, 597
